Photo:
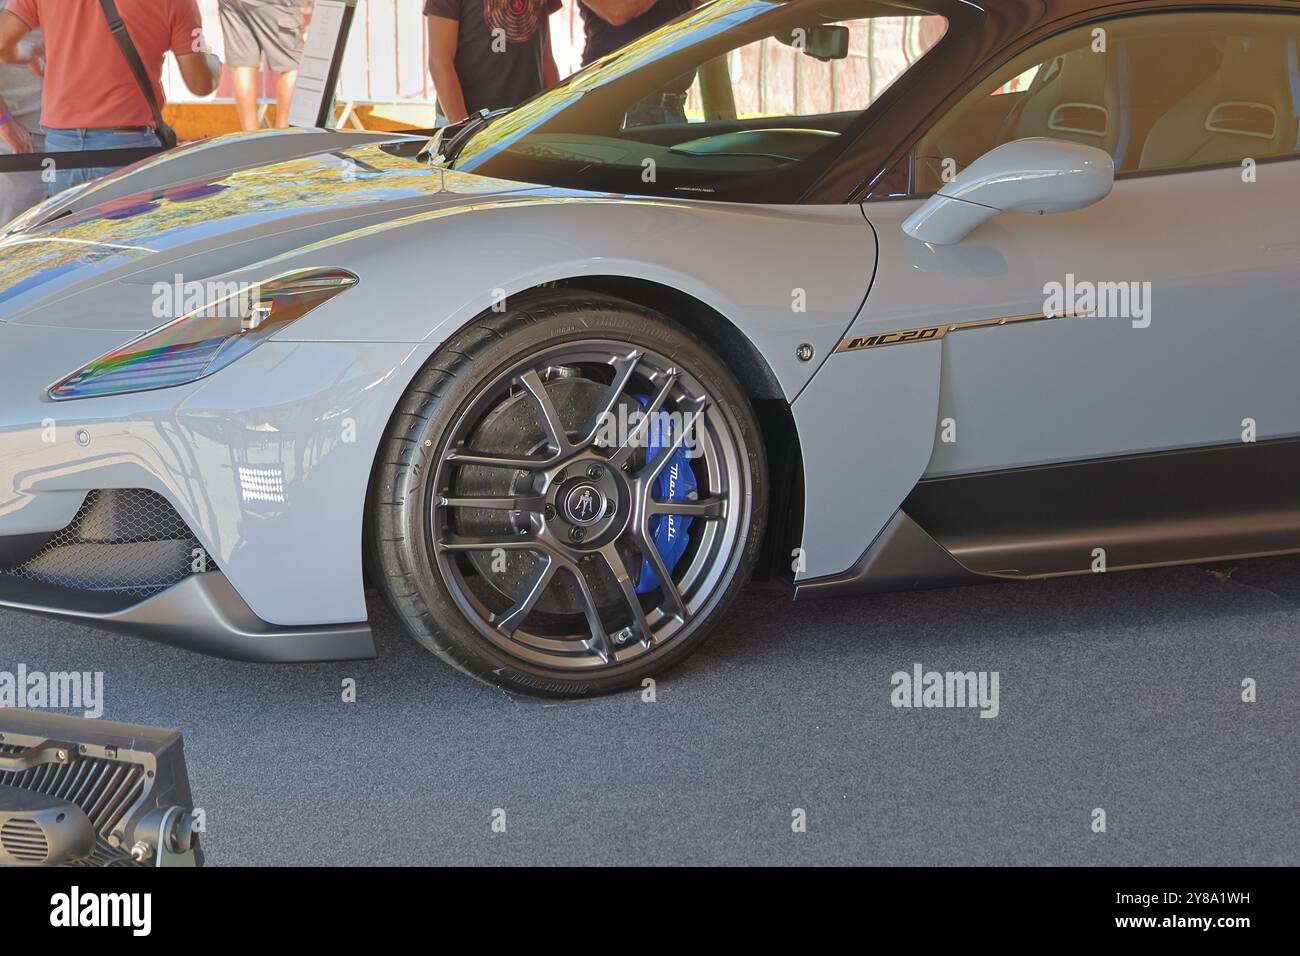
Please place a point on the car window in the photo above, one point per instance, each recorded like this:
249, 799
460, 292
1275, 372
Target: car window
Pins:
742, 100
1159, 92
812, 71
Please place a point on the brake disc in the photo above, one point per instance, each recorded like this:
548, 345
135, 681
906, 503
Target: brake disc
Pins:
512, 428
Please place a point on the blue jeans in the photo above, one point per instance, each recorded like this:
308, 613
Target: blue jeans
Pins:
80, 140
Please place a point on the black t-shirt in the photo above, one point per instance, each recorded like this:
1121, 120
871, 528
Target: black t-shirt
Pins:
605, 38
498, 49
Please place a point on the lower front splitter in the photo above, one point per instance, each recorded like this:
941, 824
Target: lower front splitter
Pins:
202, 613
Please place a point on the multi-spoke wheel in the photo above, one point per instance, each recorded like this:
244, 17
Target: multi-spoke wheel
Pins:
570, 494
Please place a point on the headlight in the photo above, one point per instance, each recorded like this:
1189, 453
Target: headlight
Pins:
206, 339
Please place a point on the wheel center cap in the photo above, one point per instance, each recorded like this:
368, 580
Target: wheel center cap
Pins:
584, 504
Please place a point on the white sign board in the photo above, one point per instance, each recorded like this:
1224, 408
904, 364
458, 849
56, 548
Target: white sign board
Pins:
314, 92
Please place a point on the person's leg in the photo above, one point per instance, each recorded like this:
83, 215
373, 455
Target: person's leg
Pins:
279, 32
246, 82
283, 97
243, 56
18, 193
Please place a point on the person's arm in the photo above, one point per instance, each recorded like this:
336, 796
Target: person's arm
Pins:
200, 69
12, 132
550, 72
618, 12
12, 49
444, 35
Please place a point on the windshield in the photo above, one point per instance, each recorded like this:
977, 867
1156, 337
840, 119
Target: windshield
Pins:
742, 100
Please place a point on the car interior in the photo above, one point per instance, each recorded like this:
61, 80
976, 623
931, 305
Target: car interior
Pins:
747, 106
717, 136
1152, 100
1157, 92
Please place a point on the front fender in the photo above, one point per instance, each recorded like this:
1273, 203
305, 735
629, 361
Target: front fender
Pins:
784, 275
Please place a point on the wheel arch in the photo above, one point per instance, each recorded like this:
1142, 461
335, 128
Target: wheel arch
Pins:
759, 382
754, 375
699, 318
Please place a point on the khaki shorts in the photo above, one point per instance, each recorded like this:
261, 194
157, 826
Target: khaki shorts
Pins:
271, 27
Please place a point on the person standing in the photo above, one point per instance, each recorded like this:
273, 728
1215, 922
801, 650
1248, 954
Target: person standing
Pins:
610, 24
20, 129
256, 28
92, 98
489, 54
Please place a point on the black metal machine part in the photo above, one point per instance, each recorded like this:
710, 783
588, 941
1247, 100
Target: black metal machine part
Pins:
79, 792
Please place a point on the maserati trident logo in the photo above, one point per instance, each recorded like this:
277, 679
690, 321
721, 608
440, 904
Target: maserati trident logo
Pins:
584, 504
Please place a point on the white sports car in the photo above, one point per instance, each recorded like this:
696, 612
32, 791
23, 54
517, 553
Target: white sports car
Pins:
754, 292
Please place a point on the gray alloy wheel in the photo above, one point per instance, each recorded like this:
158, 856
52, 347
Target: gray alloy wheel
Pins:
517, 506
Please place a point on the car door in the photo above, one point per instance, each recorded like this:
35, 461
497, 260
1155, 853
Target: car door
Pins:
1195, 255
1185, 277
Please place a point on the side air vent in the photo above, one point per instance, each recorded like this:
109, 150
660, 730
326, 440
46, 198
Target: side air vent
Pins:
24, 840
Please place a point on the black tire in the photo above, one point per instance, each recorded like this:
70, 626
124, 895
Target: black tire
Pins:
415, 527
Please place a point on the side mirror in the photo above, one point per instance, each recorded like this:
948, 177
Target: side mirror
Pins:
1035, 175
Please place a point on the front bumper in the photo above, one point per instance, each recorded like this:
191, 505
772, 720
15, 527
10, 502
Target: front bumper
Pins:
267, 463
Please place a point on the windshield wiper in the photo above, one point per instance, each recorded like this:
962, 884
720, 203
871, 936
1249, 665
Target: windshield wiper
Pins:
447, 143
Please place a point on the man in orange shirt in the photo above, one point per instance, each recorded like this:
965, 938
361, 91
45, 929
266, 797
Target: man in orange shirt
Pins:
92, 100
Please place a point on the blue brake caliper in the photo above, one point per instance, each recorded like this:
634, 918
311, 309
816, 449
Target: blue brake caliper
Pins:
675, 483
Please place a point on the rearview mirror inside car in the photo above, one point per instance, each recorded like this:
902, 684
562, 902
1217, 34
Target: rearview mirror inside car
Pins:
1034, 175
821, 42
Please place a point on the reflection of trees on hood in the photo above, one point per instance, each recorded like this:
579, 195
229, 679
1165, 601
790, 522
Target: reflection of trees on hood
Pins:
136, 226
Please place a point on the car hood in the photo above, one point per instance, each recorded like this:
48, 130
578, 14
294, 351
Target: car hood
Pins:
195, 230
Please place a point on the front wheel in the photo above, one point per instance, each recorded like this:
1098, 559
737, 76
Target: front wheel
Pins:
570, 494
